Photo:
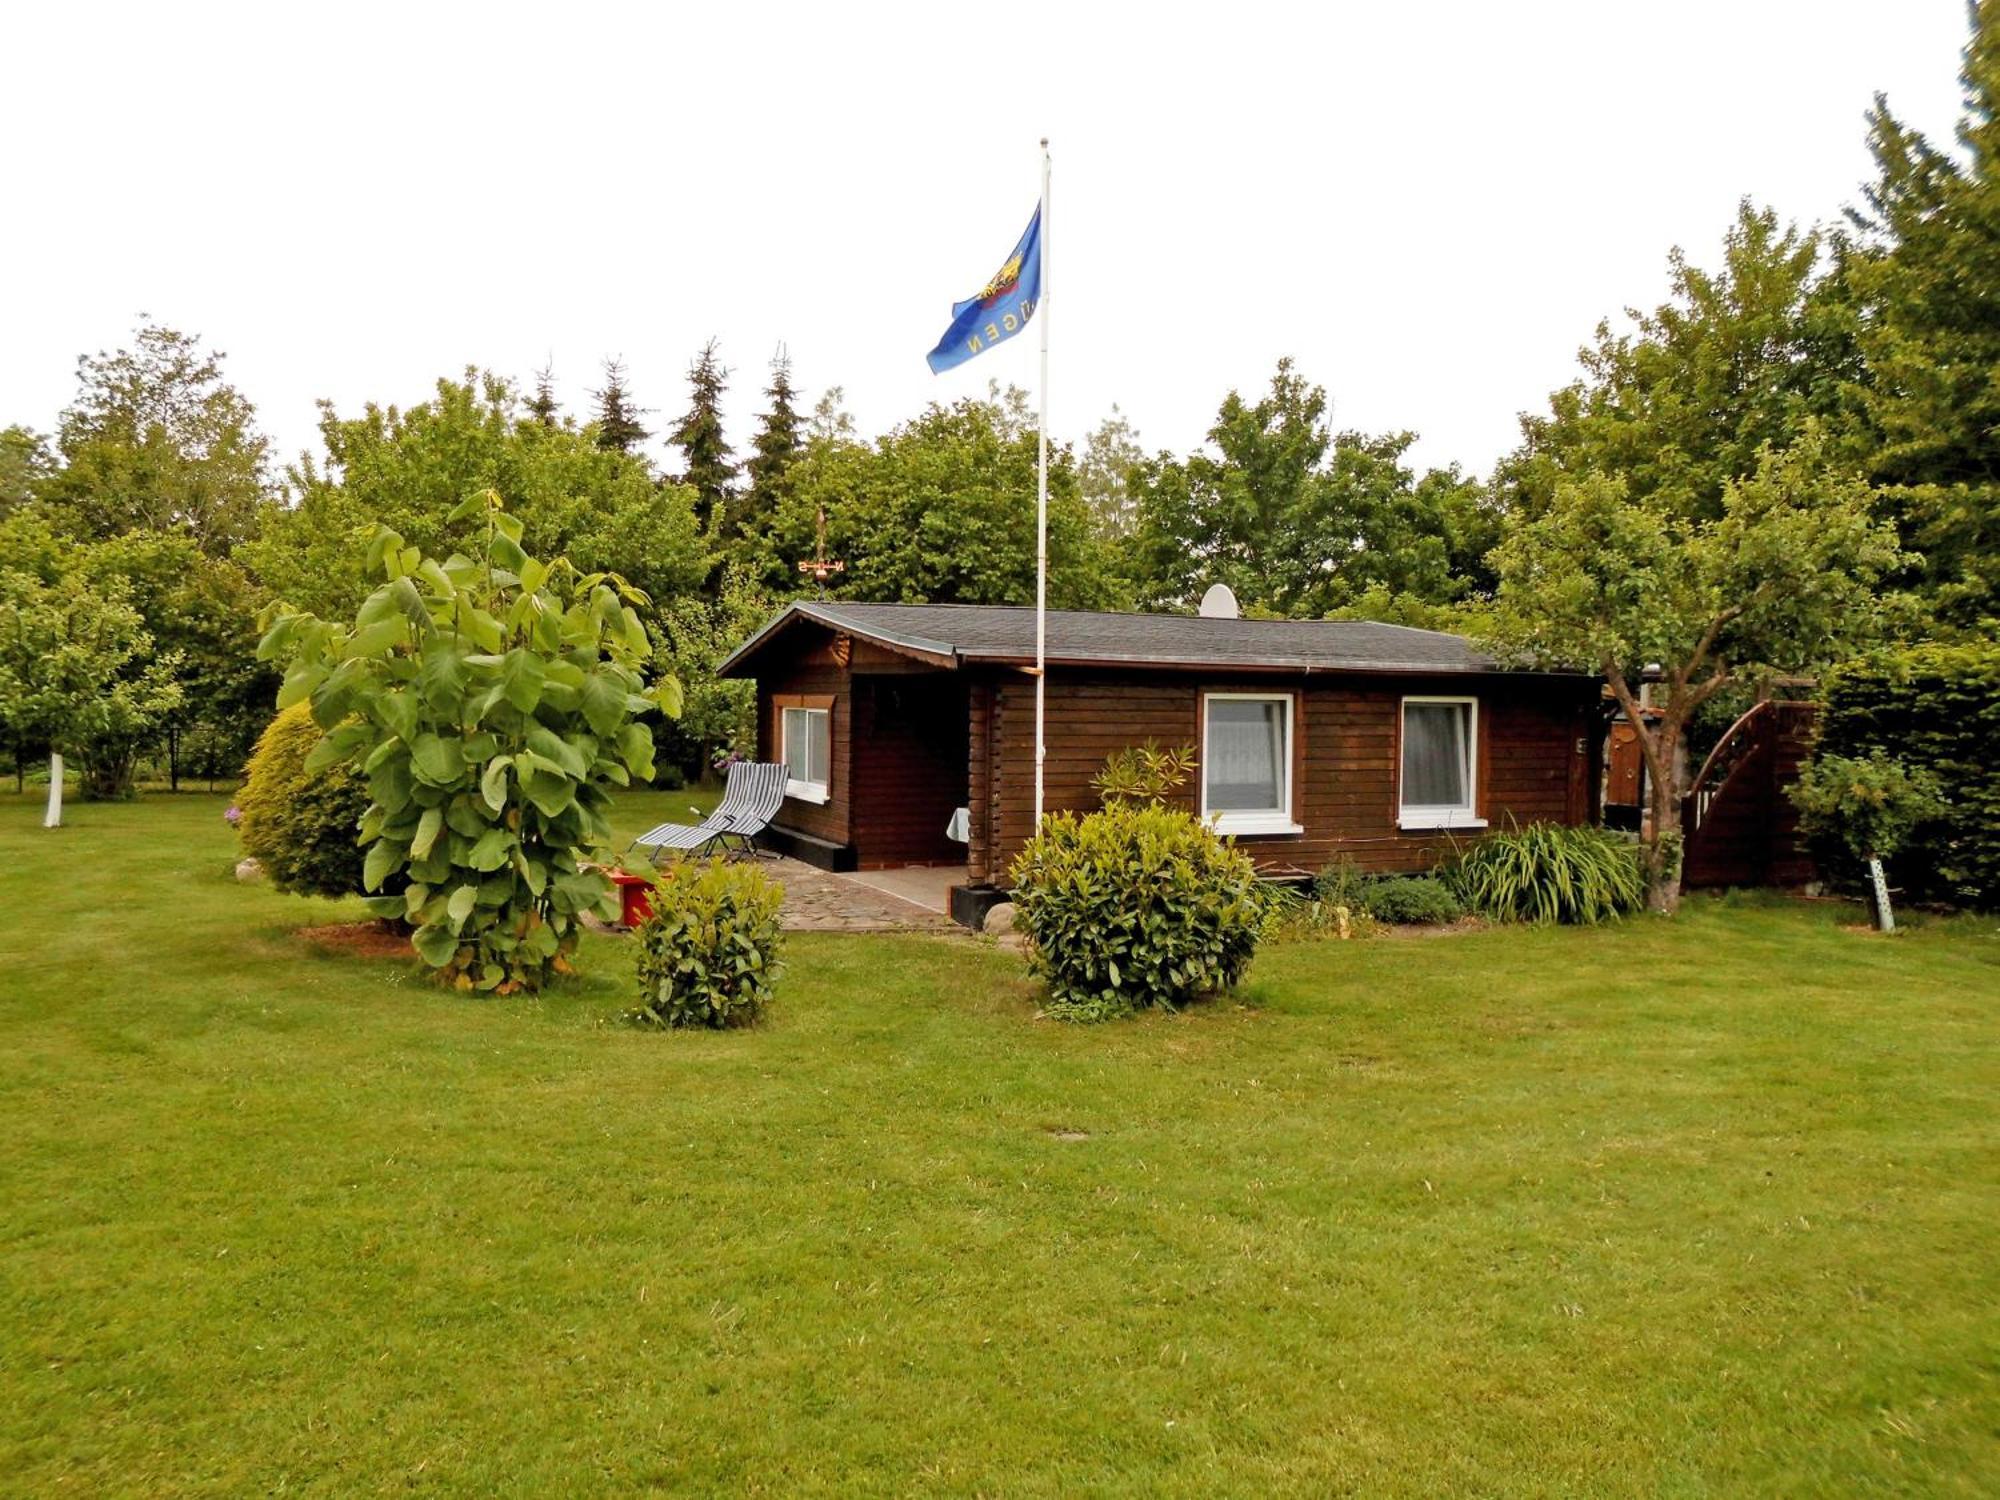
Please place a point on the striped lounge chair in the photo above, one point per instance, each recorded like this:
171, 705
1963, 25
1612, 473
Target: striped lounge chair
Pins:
750, 799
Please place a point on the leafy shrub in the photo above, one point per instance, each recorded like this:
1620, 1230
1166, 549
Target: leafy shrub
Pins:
1143, 773
490, 706
1871, 804
1936, 709
1292, 916
708, 955
1411, 900
302, 826
1340, 884
1548, 872
1134, 906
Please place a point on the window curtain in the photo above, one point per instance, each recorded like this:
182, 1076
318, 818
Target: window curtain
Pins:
807, 744
1245, 754
1435, 754
819, 743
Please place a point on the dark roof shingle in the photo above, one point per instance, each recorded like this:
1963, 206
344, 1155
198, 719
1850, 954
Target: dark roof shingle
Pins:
1005, 633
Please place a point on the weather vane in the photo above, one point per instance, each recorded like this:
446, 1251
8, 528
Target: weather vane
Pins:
819, 564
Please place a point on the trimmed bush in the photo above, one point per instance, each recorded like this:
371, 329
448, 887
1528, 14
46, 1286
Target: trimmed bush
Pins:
1408, 900
708, 955
1548, 872
1936, 710
303, 827
1135, 906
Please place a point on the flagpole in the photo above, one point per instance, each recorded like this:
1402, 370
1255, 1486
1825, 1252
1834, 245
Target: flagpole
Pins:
1042, 505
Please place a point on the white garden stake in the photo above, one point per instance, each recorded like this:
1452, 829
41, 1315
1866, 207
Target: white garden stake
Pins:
1885, 921
54, 818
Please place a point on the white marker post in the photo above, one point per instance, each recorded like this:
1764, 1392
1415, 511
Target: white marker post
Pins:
54, 817
1878, 890
1042, 506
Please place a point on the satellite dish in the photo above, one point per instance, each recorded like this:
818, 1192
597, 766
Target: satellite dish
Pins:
1219, 603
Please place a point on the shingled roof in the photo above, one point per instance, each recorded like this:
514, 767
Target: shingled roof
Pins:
952, 635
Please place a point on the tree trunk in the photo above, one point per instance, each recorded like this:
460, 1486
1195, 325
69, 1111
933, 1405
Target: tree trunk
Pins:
107, 775
1660, 855
173, 758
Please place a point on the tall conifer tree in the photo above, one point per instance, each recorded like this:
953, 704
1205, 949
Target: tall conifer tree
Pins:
617, 418
774, 450
710, 469
542, 405
1926, 281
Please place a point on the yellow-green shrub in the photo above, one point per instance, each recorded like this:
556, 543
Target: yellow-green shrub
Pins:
302, 826
708, 955
1133, 906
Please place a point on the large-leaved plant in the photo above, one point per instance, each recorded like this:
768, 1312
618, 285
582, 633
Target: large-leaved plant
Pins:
491, 704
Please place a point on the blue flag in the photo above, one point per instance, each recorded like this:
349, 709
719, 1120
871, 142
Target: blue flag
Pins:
1001, 309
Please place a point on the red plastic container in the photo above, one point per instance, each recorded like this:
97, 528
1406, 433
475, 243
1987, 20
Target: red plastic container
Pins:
634, 893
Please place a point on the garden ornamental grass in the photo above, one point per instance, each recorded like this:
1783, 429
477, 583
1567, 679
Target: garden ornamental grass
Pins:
1700, 1206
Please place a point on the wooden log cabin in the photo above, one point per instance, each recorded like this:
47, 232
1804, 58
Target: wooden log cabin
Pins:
909, 731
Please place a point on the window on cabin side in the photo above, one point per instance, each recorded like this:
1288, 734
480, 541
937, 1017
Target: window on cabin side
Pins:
807, 750
1246, 762
1440, 746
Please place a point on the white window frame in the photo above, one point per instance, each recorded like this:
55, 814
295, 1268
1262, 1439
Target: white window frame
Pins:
1284, 819
1459, 815
805, 791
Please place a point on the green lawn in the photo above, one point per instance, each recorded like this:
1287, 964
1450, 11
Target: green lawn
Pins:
1696, 1208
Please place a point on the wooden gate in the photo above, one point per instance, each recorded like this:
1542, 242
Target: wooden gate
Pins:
1740, 827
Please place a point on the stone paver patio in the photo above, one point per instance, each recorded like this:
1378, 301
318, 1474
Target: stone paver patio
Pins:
818, 901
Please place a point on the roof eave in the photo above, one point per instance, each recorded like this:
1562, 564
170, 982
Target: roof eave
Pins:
1292, 668
736, 664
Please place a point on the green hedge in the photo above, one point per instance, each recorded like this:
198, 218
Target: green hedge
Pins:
1934, 708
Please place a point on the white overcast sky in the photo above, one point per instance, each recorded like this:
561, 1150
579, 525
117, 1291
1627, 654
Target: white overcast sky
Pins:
1429, 205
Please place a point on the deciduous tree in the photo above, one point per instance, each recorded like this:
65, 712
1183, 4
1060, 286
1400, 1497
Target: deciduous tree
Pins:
157, 440
1299, 521
79, 671
409, 468
1682, 402
1778, 579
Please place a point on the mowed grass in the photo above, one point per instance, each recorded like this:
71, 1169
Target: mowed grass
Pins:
1689, 1208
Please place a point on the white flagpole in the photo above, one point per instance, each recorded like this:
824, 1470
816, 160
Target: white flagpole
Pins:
1042, 505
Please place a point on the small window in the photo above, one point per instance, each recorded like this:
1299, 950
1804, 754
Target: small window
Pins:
806, 747
1246, 762
1440, 756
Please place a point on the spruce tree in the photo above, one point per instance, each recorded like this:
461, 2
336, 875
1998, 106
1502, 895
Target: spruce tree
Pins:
774, 450
617, 418
542, 405
1926, 282
709, 468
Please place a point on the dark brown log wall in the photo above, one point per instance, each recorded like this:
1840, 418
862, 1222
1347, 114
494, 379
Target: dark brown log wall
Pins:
815, 674
1347, 754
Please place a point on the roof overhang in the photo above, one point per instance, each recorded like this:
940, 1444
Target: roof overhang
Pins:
739, 662
743, 660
